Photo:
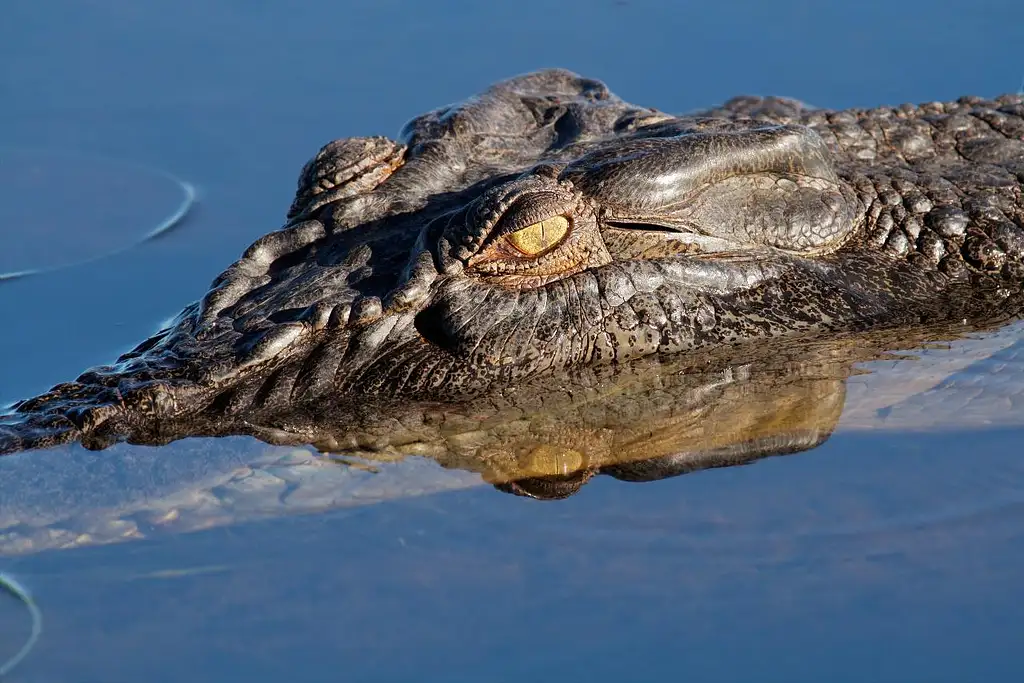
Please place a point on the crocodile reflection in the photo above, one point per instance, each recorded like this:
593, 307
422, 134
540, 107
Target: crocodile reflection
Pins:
658, 422
636, 423
640, 422
738, 418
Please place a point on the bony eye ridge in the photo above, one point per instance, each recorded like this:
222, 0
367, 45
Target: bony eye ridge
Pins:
540, 237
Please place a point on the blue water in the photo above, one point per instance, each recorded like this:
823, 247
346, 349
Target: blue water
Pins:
617, 583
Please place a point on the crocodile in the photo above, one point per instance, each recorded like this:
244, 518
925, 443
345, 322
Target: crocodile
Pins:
544, 228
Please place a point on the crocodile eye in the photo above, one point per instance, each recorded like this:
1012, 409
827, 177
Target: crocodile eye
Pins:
537, 238
529, 256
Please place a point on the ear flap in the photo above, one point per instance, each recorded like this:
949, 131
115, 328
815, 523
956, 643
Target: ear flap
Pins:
773, 186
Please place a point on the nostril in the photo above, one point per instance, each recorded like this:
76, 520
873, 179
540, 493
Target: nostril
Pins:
430, 324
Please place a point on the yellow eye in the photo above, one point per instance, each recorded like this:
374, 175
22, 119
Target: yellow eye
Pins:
535, 239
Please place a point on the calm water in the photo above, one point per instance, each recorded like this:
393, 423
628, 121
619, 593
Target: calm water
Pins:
890, 553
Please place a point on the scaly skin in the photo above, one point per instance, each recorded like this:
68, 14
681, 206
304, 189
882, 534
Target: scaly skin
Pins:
546, 226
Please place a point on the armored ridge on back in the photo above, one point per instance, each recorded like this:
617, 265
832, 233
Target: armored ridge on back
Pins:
545, 226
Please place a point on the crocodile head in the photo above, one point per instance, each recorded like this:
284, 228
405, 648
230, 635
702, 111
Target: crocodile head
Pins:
539, 227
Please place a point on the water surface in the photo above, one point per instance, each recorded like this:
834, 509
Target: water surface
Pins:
890, 552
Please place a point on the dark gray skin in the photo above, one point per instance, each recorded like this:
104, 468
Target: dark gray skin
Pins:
401, 273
